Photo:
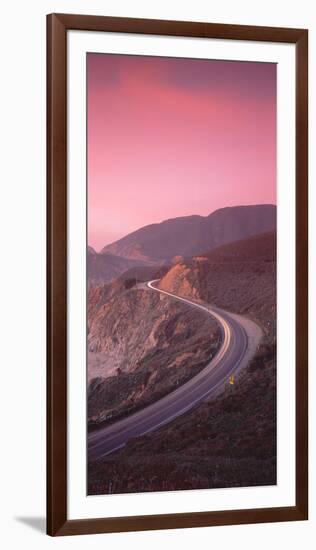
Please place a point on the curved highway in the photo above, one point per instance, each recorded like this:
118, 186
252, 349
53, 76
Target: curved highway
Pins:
228, 358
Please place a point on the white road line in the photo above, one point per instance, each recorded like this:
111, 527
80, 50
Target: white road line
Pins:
214, 362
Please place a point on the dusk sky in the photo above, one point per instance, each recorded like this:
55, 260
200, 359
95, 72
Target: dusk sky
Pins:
171, 137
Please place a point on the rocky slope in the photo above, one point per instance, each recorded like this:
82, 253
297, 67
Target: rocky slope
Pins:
229, 441
239, 277
141, 345
104, 268
192, 235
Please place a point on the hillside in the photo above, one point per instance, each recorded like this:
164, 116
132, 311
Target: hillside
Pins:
239, 277
141, 345
192, 235
226, 442
104, 268
143, 273
229, 441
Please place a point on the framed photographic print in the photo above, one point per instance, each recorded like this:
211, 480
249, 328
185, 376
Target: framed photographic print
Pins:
177, 274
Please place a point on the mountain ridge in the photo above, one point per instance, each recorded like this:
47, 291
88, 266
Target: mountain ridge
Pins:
192, 235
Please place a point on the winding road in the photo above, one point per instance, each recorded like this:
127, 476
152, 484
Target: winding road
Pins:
233, 353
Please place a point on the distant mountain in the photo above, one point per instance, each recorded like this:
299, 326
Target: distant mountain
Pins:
91, 250
192, 235
142, 346
104, 268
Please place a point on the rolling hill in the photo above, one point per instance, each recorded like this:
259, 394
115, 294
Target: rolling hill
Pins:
192, 235
104, 268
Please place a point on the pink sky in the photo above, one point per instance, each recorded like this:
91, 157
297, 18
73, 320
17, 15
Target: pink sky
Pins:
173, 137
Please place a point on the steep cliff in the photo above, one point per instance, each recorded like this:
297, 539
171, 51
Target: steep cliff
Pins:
141, 345
229, 441
239, 277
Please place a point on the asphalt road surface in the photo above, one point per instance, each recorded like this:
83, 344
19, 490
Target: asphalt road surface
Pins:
228, 358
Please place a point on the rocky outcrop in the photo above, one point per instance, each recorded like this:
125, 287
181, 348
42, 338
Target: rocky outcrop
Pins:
141, 345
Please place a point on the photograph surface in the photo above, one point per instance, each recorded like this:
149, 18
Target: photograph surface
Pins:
181, 274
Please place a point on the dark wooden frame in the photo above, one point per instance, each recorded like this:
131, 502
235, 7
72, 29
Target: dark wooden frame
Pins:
57, 27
